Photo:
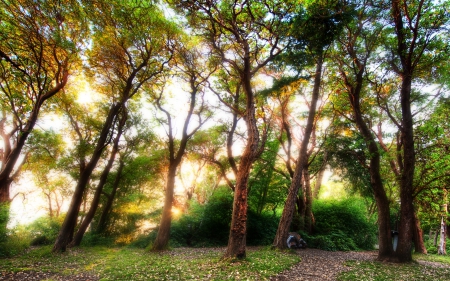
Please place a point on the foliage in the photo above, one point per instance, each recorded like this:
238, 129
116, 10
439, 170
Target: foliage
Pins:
342, 225
4, 218
209, 224
206, 224
11, 242
44, 230
432, 249
132, 264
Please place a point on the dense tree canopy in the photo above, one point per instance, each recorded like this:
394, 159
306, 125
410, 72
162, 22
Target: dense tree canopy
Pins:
141, 113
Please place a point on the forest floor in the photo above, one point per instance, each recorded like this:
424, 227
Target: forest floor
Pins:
101, 264
319, 265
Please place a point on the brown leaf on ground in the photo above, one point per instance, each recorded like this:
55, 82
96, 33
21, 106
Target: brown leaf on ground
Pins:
319, 265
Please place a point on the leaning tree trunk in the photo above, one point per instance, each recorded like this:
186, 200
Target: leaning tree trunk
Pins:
101, 226
289, 207
418, 237
66, 232
98, 192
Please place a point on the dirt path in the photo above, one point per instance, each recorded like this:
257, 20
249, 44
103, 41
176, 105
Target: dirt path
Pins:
321, 265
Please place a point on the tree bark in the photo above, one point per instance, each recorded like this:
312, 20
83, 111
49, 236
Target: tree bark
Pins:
66, 232
289, 207
418, 237
237, 239
101, 226
11, 159
354, 94
175, 157
162, 238
442, 242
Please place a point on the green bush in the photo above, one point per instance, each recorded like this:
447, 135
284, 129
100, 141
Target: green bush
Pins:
209, 224
261, 228
342, 225
44, 230
205, 225
4, 217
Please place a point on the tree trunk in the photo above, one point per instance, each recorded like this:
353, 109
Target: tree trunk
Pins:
418, 237
162, 238
66, 232
442, 242
238, 230
98, 192
101, 226
384, 229
289, 207
237, 239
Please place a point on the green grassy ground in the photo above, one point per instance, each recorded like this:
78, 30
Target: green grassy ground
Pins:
203, 264
134, 264
424, 268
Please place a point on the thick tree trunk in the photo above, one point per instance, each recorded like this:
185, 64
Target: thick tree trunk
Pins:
406, 227
4, 191
66, 232
98, 192
238, 230
418, 237
162, 238
237, 239
101, 226
289, 207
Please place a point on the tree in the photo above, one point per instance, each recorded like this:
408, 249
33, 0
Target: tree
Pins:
358, 45
131, 46
191, 70
244, 37
313, 32
76, 241
417, 27
39, 49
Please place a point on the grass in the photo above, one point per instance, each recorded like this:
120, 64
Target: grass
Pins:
204, 264
380, 271
136, 264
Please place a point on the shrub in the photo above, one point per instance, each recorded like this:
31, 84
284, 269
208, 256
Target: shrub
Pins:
261, 228
44, 230
205, 225
209, 224
342, 225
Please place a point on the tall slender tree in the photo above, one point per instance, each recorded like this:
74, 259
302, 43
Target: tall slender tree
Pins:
315, 28
244, 36
195, 72
131, 46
